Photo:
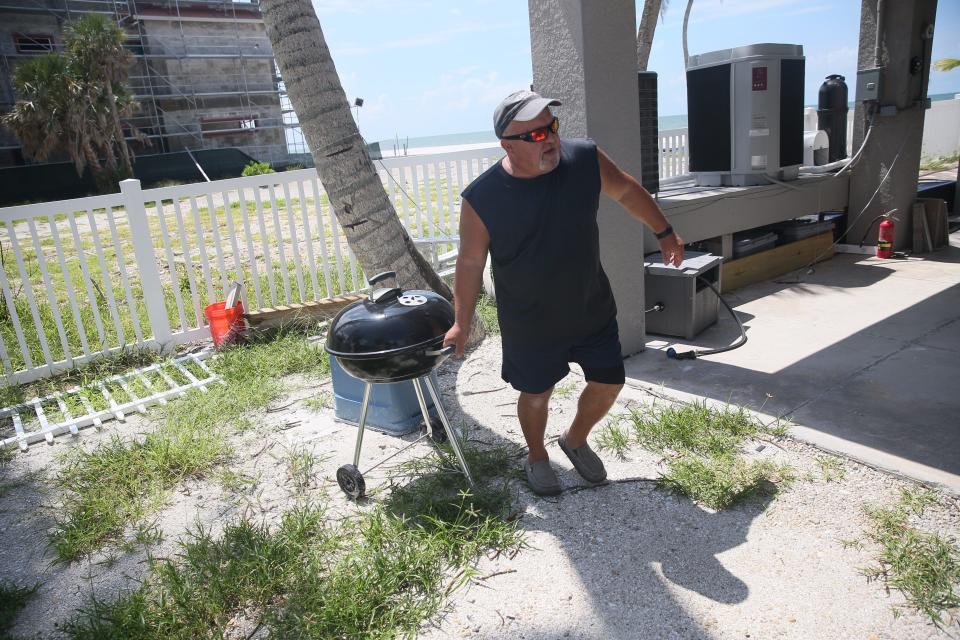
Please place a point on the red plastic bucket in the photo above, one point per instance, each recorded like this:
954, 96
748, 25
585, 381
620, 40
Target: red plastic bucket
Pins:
225, 324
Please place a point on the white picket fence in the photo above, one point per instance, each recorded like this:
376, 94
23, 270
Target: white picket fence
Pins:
83, 277
674, 154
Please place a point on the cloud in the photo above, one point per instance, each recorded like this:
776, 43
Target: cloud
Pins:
468, 87
413, 42
360, 7
707, 12
832, 58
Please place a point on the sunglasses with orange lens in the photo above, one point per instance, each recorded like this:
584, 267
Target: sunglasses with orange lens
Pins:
537, 135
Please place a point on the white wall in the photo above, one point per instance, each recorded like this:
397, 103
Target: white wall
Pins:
941, 128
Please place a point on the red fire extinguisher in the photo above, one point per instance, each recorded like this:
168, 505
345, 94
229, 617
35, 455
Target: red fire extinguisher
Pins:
885, 240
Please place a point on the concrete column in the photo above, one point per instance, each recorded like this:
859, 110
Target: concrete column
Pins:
904, 53
584, 54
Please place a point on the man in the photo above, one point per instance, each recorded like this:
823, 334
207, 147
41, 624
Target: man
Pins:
535, 211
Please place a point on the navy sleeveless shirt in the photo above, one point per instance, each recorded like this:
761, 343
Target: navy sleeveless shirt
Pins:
545, 249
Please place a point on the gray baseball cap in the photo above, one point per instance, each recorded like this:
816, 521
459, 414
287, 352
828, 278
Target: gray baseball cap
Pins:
520, 105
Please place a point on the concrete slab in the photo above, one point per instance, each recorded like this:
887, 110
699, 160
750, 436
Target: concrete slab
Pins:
862, 355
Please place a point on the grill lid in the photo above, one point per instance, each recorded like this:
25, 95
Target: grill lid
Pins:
389, 322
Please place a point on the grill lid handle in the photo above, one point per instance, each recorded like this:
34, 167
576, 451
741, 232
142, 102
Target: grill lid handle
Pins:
385, 295
382, 276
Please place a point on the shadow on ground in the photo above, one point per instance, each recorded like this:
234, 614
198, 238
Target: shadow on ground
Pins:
633, 546
882, 379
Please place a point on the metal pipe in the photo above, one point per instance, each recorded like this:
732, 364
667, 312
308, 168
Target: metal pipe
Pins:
363, 422
877, 47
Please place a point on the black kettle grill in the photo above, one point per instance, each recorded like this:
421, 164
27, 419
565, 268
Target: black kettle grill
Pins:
393, 336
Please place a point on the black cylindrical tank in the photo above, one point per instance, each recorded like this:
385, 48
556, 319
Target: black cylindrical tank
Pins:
832, 115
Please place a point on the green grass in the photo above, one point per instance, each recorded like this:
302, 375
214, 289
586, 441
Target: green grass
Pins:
694, 428
924, 566
939, 163
614, 436
720, 481
12, 600
565, 390
121, 481
487, 310
318, 403
702, 447
378, 573
302, 468
102, 367
831, 468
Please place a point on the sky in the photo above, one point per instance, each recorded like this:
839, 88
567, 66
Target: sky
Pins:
431, 67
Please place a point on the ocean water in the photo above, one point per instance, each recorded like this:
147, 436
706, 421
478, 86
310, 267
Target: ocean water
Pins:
476, 137
678, 121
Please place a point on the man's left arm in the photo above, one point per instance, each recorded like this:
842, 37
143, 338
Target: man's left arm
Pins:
631, 195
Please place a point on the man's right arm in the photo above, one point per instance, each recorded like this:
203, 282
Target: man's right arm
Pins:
468, 277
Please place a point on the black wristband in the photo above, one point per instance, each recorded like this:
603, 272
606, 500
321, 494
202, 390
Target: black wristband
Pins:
665, 233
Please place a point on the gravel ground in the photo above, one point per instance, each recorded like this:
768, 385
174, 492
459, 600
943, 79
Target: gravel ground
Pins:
624, 560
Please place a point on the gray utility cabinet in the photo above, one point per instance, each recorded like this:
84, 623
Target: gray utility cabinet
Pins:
689, 305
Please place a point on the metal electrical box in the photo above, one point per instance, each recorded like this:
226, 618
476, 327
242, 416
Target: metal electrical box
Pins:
689, 305
868, 84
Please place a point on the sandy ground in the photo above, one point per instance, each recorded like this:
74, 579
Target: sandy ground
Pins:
624, 560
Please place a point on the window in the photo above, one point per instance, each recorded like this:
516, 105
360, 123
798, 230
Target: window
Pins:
228, 125
33, 43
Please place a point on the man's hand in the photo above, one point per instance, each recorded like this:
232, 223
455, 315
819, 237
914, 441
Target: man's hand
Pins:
457, 336
671, 248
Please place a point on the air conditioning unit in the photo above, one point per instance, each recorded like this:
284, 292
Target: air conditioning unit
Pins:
745, 114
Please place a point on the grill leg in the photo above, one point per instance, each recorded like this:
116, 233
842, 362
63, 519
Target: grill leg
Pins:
451, 434
423, 404
363, 421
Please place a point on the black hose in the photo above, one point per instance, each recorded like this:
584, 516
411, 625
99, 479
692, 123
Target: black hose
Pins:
693, 354
869, 227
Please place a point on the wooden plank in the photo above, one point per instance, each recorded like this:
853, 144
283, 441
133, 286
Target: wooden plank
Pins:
776, 262
305, 313
935, 215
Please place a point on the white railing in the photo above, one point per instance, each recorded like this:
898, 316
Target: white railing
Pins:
674, 154
83, 277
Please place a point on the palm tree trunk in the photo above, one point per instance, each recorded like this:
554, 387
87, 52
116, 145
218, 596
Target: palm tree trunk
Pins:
686, 19
366, 214
118, 130
648, 25
91, 156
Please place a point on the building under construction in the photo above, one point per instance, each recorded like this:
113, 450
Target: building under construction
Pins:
203, 73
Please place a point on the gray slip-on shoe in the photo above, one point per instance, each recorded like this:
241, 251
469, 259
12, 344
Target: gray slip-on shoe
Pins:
542, 478
585, 461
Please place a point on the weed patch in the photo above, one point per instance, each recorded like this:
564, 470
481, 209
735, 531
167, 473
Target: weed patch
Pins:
925, 567
564, 390
718, 482
614, 437
831, 469
122, 481
487, 310
702, 446
379, 573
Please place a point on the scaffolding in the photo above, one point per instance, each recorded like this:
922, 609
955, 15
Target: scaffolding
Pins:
204, 74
